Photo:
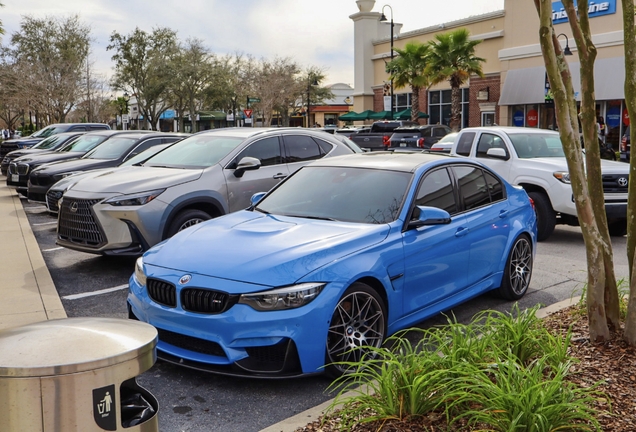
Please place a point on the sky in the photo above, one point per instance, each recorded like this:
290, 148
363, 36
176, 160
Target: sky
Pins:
313, 33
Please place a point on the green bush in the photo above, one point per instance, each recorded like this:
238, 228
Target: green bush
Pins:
501, 372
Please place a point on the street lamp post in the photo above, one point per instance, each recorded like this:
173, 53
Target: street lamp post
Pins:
125, 124
383, 19
566, 50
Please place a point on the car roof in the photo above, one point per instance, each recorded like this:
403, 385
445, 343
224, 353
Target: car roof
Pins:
108, 132
396, 161
511, 130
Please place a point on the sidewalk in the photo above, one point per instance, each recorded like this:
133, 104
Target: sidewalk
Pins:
26, 288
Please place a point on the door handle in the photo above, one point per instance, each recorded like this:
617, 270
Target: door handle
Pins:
461, 231
279, 176
503, 214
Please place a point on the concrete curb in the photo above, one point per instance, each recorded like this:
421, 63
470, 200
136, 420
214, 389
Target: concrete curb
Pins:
291, 424
50, 298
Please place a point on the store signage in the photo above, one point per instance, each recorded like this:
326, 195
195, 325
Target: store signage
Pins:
613, 117
595, 9
517, 118
625, 117
532, 118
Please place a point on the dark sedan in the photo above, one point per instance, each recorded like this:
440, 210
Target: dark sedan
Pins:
109, 154
48, 145
419, 137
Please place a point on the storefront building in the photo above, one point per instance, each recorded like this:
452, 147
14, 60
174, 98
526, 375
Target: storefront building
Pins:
513, 89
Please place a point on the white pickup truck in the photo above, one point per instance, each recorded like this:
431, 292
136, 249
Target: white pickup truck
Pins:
534, 159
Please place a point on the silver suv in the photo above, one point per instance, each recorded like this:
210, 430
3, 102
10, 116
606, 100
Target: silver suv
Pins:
124, 212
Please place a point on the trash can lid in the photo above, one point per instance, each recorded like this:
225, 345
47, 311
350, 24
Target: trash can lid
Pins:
71, 345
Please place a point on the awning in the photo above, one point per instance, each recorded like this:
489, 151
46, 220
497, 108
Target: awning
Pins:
365, 115
406, 115
526, 86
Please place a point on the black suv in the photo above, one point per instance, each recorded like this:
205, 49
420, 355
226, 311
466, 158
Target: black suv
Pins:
625, 146
20, 168
422, 137
30, 141
108, 154
48, 145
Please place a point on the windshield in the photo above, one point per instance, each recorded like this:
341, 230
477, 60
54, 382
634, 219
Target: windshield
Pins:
48, 143
198, 151
448, 138
114, 148
346, 141
144, 155
48, 131
358, 195
84, 143
536, 145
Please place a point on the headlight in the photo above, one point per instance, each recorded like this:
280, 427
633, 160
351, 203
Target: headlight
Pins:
140, 276
290, 297
562, 176
134, 199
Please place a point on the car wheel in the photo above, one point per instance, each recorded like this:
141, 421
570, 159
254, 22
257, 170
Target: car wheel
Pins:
186, 219
618, 228
358, 321
546, 217
516, 278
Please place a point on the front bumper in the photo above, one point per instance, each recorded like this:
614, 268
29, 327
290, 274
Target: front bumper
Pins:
112, 230
240, 340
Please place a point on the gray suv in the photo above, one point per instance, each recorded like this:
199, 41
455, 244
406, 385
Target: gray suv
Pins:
209, 174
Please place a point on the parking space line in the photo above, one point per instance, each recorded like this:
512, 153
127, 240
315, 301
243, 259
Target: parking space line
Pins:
52, 249
45, 223
94, 293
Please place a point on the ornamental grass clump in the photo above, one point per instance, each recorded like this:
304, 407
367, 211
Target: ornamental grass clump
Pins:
501, 372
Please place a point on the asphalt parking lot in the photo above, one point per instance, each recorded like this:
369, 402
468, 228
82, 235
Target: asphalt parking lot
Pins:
190, 400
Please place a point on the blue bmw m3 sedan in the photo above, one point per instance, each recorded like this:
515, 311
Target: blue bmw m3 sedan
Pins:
337, 257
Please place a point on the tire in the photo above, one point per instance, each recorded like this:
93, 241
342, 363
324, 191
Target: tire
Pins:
360, 319
546, 217
518, 271
618, 228
186, 219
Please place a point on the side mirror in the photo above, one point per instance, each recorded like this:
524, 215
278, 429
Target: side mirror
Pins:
257, 197
246, 164
429, 216
497, 153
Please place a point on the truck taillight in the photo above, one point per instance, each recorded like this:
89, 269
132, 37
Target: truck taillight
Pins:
386, 141
420, 143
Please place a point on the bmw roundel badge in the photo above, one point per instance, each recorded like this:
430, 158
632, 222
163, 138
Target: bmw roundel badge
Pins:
185, 279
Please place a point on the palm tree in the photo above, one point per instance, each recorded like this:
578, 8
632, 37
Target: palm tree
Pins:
409, 69
452, 58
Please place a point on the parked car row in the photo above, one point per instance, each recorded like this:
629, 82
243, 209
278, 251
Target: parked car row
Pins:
315, 251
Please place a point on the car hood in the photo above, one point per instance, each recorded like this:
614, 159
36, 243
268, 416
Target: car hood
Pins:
77, 165
136, 179
561, 164
42, 158
262, 249
27, 152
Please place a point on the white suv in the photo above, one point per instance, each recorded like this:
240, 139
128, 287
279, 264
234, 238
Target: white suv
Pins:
534, 159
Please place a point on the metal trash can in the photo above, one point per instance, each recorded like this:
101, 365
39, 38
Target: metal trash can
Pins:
77, 374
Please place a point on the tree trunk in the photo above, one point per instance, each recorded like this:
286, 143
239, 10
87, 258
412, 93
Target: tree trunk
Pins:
587, 55
565, 108
415, 103
455, 120
630, 101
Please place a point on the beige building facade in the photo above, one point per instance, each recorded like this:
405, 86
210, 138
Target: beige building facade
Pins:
513, 89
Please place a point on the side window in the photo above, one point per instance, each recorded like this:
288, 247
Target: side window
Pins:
266, 150
143, 146
78, 128
472, 187
436, 190
465, 143
325, 147
488, 141
439, 132
494, 186
96, 127
300, 148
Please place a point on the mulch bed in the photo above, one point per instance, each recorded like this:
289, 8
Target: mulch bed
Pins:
612, 362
